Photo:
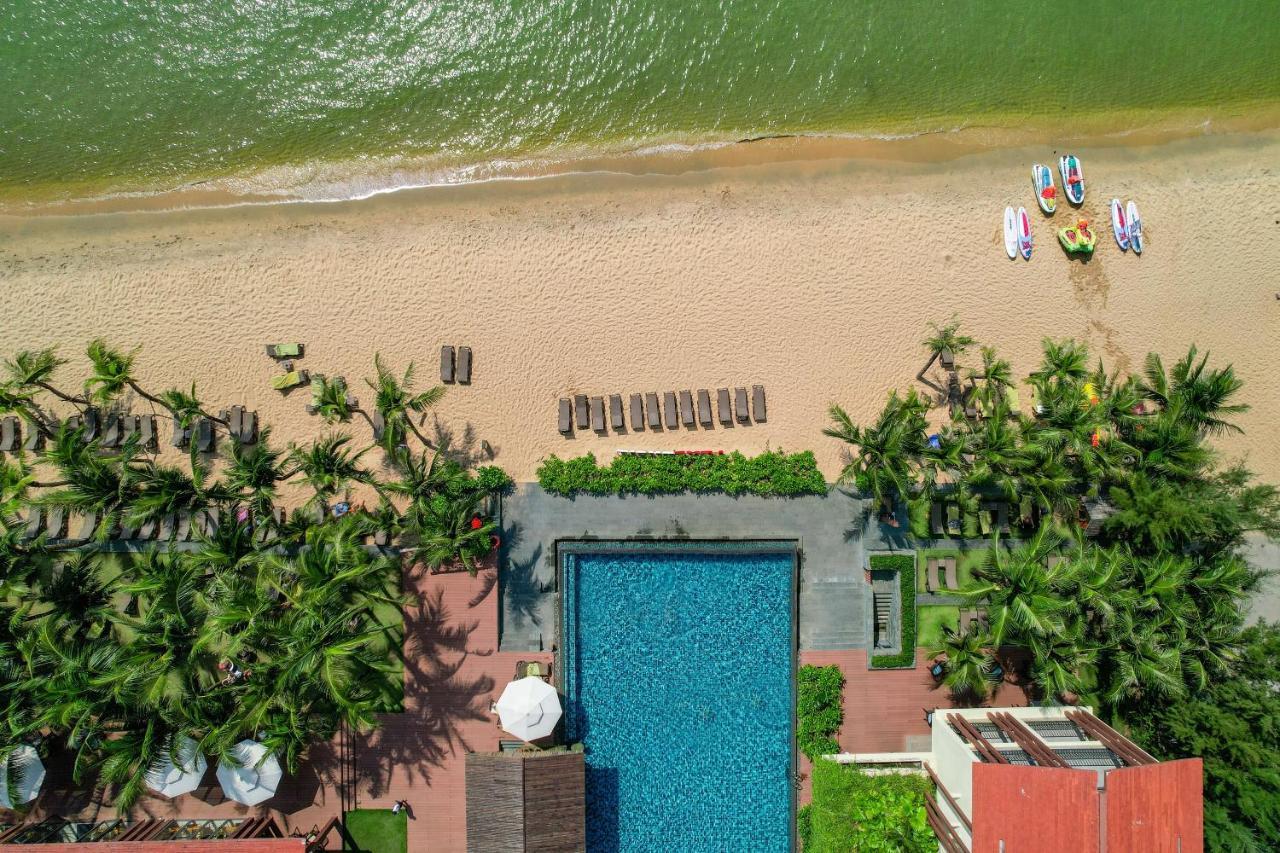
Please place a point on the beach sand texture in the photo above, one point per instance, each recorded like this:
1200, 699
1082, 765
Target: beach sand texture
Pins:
815, 279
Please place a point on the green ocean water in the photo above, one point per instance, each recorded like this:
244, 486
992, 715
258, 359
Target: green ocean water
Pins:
110, 96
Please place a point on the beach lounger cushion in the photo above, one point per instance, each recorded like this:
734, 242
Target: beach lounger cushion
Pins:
704, 408
9, 434
249, 428
292, 379
284, 350
446, 364
580, 411
597, 414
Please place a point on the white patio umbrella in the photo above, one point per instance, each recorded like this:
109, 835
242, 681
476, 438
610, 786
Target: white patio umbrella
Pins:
250, 783
21, 787
170, 780
529, 708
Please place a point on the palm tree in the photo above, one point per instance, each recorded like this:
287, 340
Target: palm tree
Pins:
330, 399
327, 465
31, 369
1063, 363
113, 373
396, 402
992, 380
969, 663
91, 483
253, 472
1200, 396
946, 344
1022, 597
449, 528
890, 452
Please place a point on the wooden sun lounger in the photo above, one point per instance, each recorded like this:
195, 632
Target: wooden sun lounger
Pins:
704, 408
9, 434
724, 406
147, 432
580, 411
565, 422
936, 525
464, 365
55, 522
931, 574
1002, 517
205, 436
85, 529
92, 422
954, 527
380, 424
597, 414
669, 404
948, 565
686, 409
758, 409
637, 413
34, 440
653, 410
167, 527
148, 529
446, 364
35, 517
249, 428
181, 435
233, 417
740, 400
129, 428
288, 381
111, 435
615, 412
285, 350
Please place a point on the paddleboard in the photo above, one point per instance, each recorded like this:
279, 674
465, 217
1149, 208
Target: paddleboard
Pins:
1010, 232
1024, 233
1119, 225
1046, 192
1072, 177
1135, 228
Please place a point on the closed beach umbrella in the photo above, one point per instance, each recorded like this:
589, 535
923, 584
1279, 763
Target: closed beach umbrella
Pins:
174, 780
23, 775
255, 779
529, 708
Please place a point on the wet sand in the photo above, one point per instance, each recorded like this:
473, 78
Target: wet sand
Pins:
815, 278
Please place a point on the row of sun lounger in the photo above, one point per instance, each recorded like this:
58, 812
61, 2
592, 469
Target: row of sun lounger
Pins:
940, 574
945, 518
61, 525
679, 409
455, 368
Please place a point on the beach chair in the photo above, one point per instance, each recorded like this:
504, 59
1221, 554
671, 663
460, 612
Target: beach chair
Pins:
597, 414
615, 413
34, 440
167, 527
565, 422
284, 350
55, 522
92, 424
984, 519
1052, 561
464, 365
581, 417
9, 434
35, 518
637, 413
205, 436
953, 520
183, 531
112, 434
669, 404
129, 428
949, 567
446, 364
128, 532
936, 525
758, 410
1002, 518
382, 538
148, 529
686, 409
704, 408
207, 521
249, 428
181, 434
931, 574
379, 424
740, 401
233, 417
84, 531
288, 381
147, 432
652, 410
724, 407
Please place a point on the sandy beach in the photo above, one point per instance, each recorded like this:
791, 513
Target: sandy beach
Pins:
814, 278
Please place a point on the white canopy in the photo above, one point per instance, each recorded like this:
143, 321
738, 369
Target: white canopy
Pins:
257, 776
529, 708
170, 780
21, 787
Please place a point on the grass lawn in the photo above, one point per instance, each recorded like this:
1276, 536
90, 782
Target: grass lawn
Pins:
379, 831
930, 620
966, 561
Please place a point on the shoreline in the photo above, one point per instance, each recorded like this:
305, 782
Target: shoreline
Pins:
815, 278
369, 177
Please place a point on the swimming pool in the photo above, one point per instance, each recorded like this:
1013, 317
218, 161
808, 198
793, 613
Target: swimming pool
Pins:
678, 673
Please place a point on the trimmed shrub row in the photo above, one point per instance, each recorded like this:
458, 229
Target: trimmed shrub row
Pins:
905, 566
818, 710
771, 474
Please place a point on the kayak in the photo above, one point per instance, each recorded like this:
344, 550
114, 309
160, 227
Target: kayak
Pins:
1119, 225
1078, 238
1072, 177
1024, 233
1135, 228
1010, 232
1046, 193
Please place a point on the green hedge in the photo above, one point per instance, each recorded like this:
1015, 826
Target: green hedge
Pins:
772, 473
905, 566
818, 709
854, 811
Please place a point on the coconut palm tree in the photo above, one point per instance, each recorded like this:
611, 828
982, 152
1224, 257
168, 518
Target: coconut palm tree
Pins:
33, 369
113, 374
328, 465
1197, 394
946, 344
1063, 363
330, 399
890, 452
992, 380
1022, 597
968, 665
396, 401
91, 483
253, 473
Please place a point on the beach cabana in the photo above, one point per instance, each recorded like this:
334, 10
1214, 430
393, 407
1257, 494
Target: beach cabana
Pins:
23, 775
254, 776
173, 780
529, 708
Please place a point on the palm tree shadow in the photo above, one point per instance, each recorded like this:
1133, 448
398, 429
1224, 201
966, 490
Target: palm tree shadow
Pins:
467, 450
521, 589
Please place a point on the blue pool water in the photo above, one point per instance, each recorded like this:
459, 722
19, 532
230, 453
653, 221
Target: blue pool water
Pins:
678, 677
